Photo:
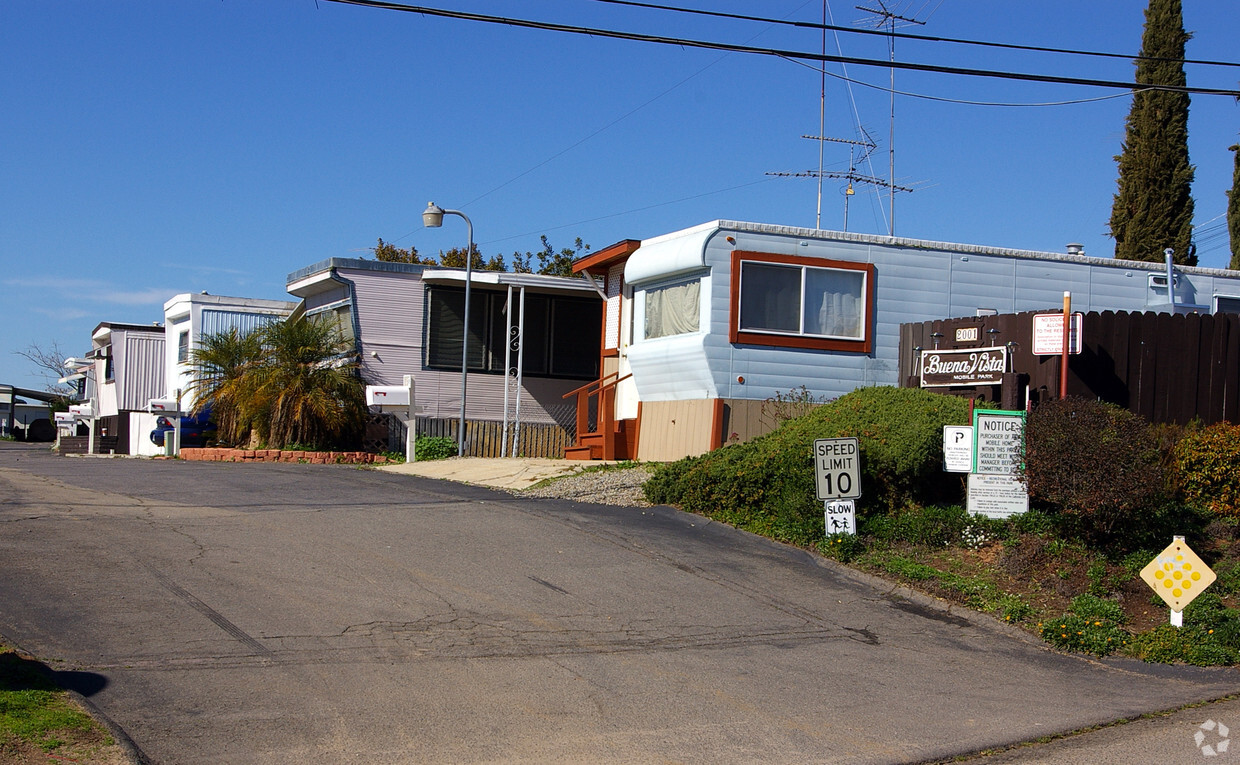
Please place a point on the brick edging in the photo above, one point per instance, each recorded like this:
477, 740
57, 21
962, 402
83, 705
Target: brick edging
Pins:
278, 455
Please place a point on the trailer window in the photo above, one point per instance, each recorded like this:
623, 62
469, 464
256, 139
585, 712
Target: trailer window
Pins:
673, 309
801, 302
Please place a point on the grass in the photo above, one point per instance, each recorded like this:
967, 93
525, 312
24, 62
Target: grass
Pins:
38, 720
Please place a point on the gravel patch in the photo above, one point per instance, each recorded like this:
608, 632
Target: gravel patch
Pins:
617, 486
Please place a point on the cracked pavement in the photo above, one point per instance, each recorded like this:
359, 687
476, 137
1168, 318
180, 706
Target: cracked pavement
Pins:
270, 613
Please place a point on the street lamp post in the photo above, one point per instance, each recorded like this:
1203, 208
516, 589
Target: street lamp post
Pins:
432, 217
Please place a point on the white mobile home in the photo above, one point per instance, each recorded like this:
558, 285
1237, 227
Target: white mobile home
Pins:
712, 321
189, 316
128, 371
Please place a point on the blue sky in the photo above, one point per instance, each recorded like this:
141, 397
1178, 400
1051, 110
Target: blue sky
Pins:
152, 148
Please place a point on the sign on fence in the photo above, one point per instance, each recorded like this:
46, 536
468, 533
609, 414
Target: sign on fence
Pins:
968, 367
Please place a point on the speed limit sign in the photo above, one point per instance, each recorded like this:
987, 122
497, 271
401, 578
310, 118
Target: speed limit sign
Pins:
837, 468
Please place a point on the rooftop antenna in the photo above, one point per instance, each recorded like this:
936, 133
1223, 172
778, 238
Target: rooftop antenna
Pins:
866, 146
888, 18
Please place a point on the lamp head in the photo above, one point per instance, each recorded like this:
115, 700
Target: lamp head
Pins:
432, 216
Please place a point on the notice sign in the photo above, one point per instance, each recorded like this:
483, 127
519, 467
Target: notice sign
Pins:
841, 516
997, 496
837, 468
1048, 334
971, 366
999, 442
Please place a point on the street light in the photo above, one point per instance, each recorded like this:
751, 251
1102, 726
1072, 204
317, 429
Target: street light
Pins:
432, 217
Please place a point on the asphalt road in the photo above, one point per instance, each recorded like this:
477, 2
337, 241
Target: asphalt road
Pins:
276, 613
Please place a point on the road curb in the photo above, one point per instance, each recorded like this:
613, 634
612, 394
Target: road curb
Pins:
132, 752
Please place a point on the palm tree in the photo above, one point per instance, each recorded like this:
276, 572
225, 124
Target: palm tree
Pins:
307, 389
219, 367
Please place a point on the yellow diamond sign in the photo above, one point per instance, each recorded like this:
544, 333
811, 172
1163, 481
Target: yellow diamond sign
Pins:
1178, 575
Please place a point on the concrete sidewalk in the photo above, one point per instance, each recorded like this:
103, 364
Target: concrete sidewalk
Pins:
502, 473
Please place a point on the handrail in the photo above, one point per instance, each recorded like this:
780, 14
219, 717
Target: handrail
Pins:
599, 382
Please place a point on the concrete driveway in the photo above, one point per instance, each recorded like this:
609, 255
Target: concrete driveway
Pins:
269, 613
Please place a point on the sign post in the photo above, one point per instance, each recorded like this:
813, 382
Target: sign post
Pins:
837, 482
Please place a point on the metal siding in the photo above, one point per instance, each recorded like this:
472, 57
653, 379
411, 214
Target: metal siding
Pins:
335, 294
215, 321
1041, 284
390, 309
913, 283
980, 282
139, 370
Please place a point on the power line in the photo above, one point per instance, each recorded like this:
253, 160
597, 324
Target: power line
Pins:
908, 36
707, 45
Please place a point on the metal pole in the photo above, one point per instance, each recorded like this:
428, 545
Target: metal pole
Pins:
516, 429
503, 436
469, 262
1067, 344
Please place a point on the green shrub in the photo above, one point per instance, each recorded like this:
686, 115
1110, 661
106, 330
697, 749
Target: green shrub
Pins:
933, 526
1093, 462
1093, 625
1206, 462
1095, 608
433, 448
766, 485
841, 547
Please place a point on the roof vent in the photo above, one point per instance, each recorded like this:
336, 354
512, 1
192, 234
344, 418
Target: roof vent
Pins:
1075, 248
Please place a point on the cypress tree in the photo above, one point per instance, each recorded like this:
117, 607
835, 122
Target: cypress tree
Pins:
1153, 208
1233, 210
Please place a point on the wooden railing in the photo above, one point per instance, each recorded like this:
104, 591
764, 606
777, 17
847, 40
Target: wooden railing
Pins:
604, 432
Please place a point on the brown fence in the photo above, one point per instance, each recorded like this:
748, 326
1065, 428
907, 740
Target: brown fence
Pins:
1167, 368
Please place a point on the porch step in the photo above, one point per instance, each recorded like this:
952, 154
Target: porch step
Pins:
588, 447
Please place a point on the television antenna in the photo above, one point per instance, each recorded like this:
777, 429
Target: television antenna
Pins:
887, 18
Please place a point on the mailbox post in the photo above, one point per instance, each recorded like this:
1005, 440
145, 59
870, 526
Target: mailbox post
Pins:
86, 412
170, 407
398, 400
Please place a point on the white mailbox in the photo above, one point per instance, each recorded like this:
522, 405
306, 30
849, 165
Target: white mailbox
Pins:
163, 406
65, 418
84, 411
387, 396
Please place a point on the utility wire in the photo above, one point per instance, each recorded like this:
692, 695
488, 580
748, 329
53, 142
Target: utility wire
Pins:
908, 36
687, 43
961, 101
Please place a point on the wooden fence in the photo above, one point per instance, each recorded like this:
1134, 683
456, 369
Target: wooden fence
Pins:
1165, 367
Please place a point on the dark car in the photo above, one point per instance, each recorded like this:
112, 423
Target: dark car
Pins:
196, 430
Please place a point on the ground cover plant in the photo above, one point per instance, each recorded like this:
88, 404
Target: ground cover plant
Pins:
39, 722
1108, 492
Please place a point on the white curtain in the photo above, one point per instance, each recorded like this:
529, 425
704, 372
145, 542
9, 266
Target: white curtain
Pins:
673, 310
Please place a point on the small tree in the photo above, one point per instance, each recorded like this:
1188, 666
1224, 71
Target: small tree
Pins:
1153, 207
390, 253
455, 258
219, 368
50, 363
1233, 209
307, 389
550, 262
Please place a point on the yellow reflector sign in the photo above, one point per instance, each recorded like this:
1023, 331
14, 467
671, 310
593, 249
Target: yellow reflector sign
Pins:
1178, 575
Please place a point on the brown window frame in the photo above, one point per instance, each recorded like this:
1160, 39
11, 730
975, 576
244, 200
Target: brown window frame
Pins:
781, 340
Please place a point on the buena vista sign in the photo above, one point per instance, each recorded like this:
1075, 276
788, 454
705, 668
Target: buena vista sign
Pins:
970, 366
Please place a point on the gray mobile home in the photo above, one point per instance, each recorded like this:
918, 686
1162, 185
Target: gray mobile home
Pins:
714, 320
407, 319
